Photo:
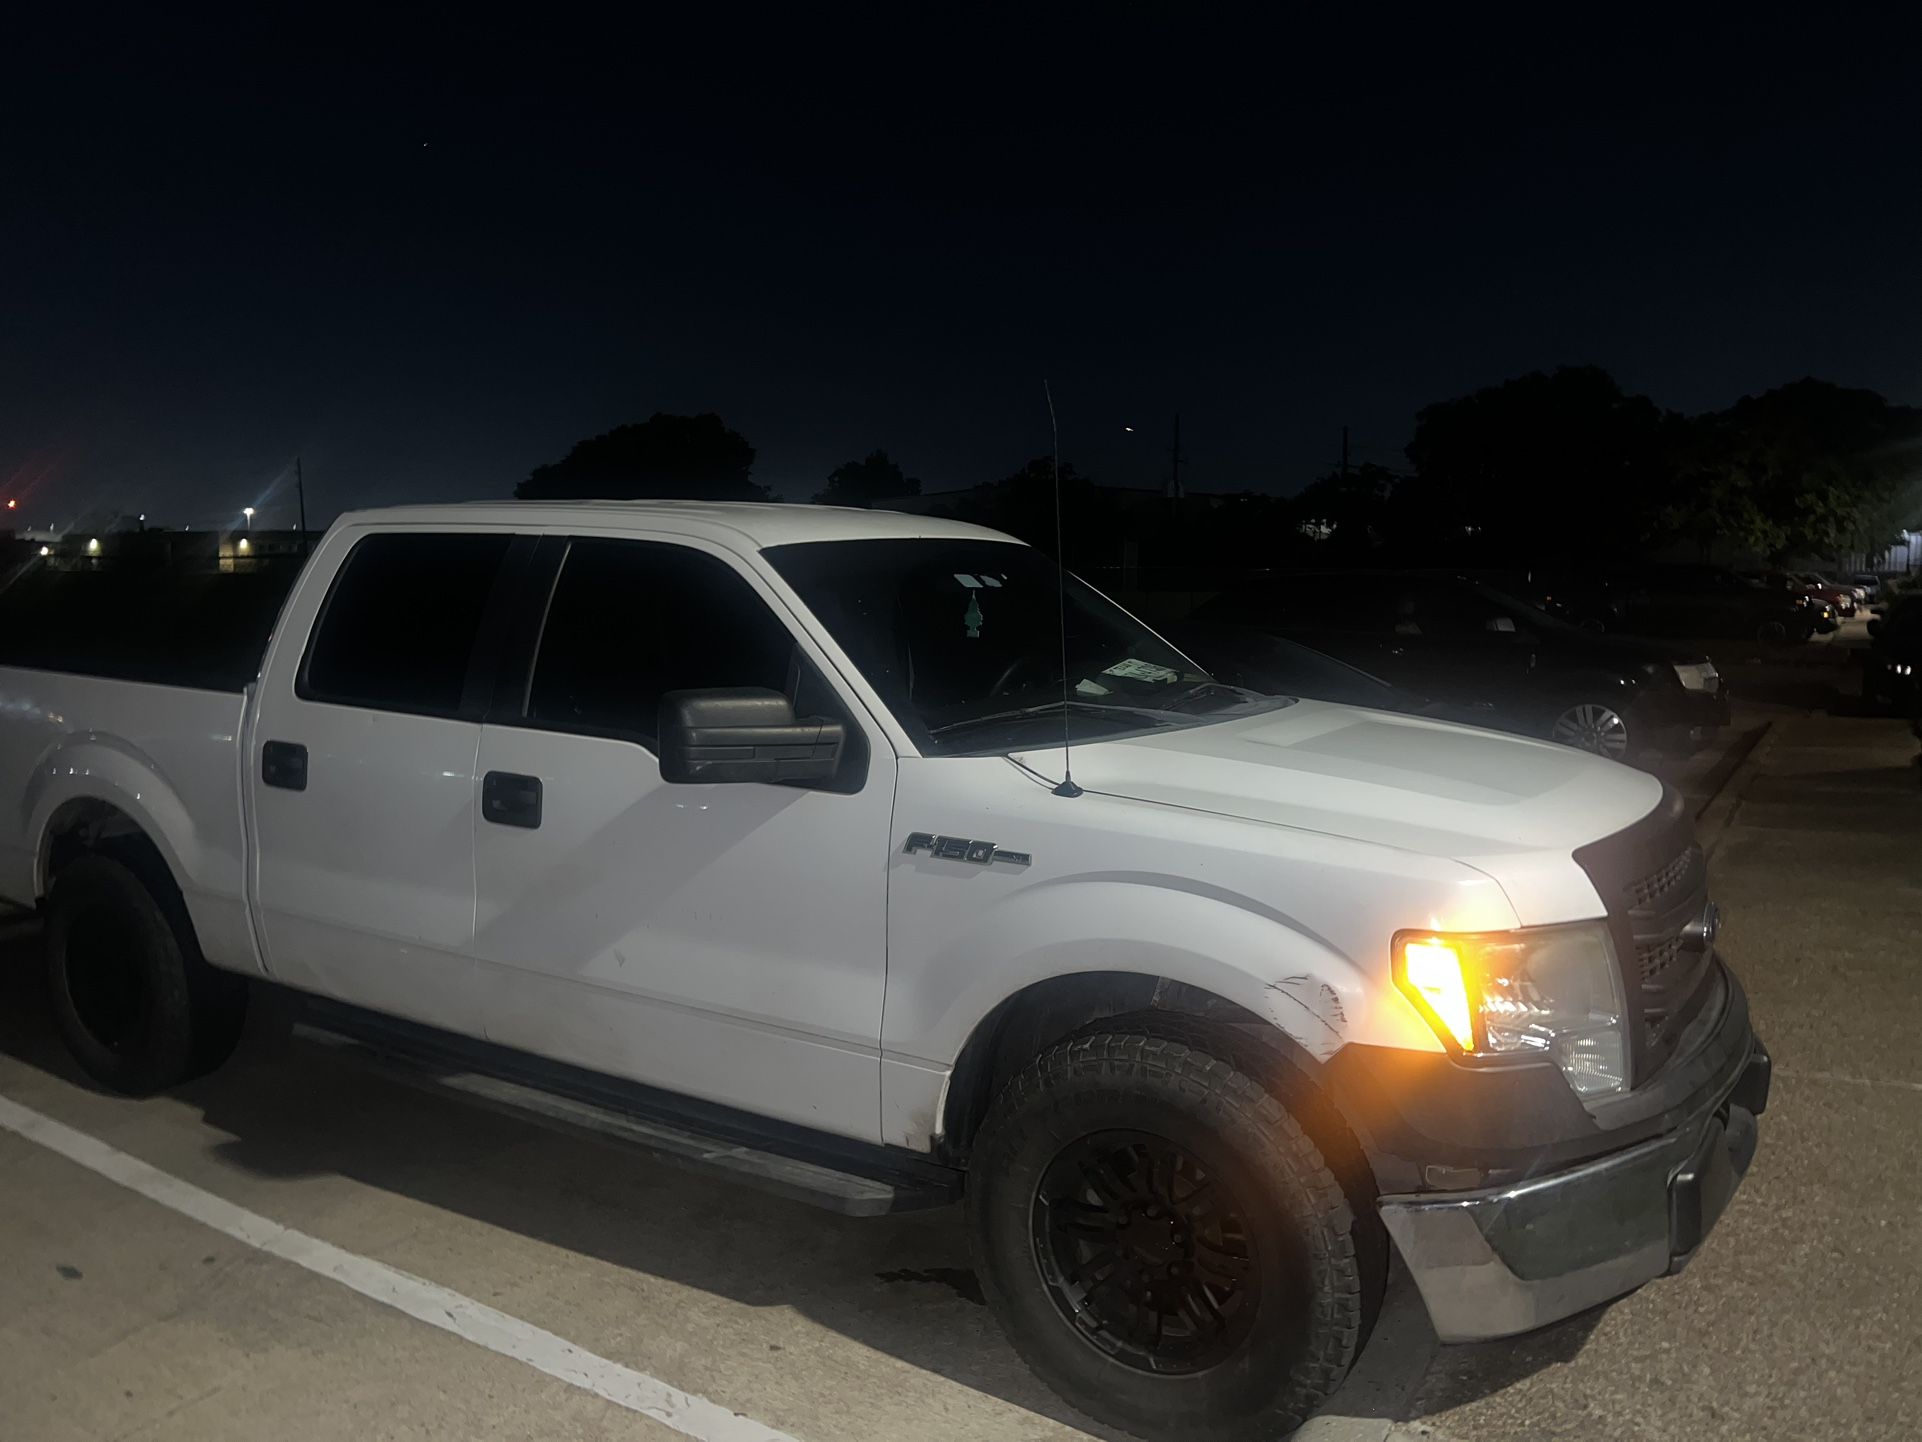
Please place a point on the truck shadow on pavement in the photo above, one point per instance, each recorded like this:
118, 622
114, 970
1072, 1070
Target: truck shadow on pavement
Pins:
901, 1285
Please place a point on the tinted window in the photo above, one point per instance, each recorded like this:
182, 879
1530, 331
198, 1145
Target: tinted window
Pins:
400, 624
1438, 608
631, 620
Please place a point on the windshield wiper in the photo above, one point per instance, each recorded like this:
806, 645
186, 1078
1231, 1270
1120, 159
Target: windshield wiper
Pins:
1026, 712
1240, 693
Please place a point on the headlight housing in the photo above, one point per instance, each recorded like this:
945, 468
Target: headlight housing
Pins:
1700, 676
1552, 990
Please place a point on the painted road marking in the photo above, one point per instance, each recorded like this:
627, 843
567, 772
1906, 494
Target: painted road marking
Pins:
426, 1301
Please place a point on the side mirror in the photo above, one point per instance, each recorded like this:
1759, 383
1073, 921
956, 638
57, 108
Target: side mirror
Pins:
744, 734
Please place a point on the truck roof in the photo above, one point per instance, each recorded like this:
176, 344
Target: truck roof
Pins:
760, 523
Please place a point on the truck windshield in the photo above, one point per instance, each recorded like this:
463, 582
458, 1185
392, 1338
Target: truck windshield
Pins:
962, 640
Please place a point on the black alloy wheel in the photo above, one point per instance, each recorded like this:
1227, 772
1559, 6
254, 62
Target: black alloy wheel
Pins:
1148, 1255
1161, 1240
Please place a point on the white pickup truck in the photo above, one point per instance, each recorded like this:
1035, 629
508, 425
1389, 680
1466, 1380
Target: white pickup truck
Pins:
675, 822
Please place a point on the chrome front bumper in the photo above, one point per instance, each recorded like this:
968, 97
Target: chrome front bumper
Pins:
1509, 1259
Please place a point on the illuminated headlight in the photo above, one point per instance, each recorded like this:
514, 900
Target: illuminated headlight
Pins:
1701, 676
1554, 990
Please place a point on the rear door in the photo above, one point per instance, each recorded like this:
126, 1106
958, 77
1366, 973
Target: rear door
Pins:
362, 774
724, 941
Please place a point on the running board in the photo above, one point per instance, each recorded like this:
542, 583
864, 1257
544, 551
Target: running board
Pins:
823, 1171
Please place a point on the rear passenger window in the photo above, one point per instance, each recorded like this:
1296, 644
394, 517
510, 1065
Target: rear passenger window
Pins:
399, 627
632, 620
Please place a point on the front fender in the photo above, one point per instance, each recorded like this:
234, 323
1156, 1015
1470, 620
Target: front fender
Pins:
1231, 946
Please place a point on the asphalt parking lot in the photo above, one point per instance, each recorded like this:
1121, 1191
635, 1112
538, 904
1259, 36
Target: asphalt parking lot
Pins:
275, 1246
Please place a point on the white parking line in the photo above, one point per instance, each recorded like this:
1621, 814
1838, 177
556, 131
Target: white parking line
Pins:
435, 1305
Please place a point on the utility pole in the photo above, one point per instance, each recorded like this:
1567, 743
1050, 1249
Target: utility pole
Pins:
300, 494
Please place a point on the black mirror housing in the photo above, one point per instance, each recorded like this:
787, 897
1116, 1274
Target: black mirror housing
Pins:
744, 733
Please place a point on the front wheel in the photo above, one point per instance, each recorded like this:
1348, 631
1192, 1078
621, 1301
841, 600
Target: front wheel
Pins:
1163, 1244
1593, 726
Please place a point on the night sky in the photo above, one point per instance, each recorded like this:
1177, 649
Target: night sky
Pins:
430, 256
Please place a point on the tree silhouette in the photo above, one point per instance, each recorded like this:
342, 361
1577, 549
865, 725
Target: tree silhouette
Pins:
1809, 468
1540, 461
874, 478
663, 457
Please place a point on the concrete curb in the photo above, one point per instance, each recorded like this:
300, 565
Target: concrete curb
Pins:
1712, 819
1372, 1404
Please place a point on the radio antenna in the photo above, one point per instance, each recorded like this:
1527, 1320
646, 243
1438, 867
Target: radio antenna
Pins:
1067, 786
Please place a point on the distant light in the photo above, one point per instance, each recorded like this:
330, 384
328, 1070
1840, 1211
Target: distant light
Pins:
1129, 429
245, 544
247, 511
13, 505
46, 550
93, 546
143, 514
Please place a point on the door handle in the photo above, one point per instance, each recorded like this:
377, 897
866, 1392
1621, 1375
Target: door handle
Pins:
283, 764
510, 799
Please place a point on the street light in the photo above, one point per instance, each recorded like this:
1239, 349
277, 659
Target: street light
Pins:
248, 512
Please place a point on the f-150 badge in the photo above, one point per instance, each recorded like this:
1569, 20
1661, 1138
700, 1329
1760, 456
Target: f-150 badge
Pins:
960, 848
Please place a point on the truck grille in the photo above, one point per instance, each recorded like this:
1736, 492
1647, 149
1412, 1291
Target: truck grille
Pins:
1671, 963
1654, 880
1656, 958
1652, 888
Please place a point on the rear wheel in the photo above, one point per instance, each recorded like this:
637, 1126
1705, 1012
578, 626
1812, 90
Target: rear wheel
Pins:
1163, 1243
135, 1002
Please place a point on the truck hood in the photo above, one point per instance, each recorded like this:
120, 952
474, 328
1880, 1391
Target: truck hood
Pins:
1404, 781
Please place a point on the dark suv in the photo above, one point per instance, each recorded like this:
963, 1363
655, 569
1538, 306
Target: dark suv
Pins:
1463, 643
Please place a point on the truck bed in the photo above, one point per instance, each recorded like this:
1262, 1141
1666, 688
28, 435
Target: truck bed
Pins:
128, 693
203, 630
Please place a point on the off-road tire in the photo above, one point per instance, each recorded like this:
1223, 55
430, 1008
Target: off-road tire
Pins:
114, 946
1313, 1304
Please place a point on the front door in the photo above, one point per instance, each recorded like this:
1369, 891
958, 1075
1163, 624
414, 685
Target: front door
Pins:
361, 777
724, 941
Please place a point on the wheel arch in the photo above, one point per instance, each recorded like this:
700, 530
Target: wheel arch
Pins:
1052, 1010
89, 825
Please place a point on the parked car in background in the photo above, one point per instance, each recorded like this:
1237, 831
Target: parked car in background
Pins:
1845, 583
1710, 602
1869, 584
1892, 671
1842, 599
1457, 640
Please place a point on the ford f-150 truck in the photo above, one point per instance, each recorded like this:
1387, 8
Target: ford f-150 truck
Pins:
911, 869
